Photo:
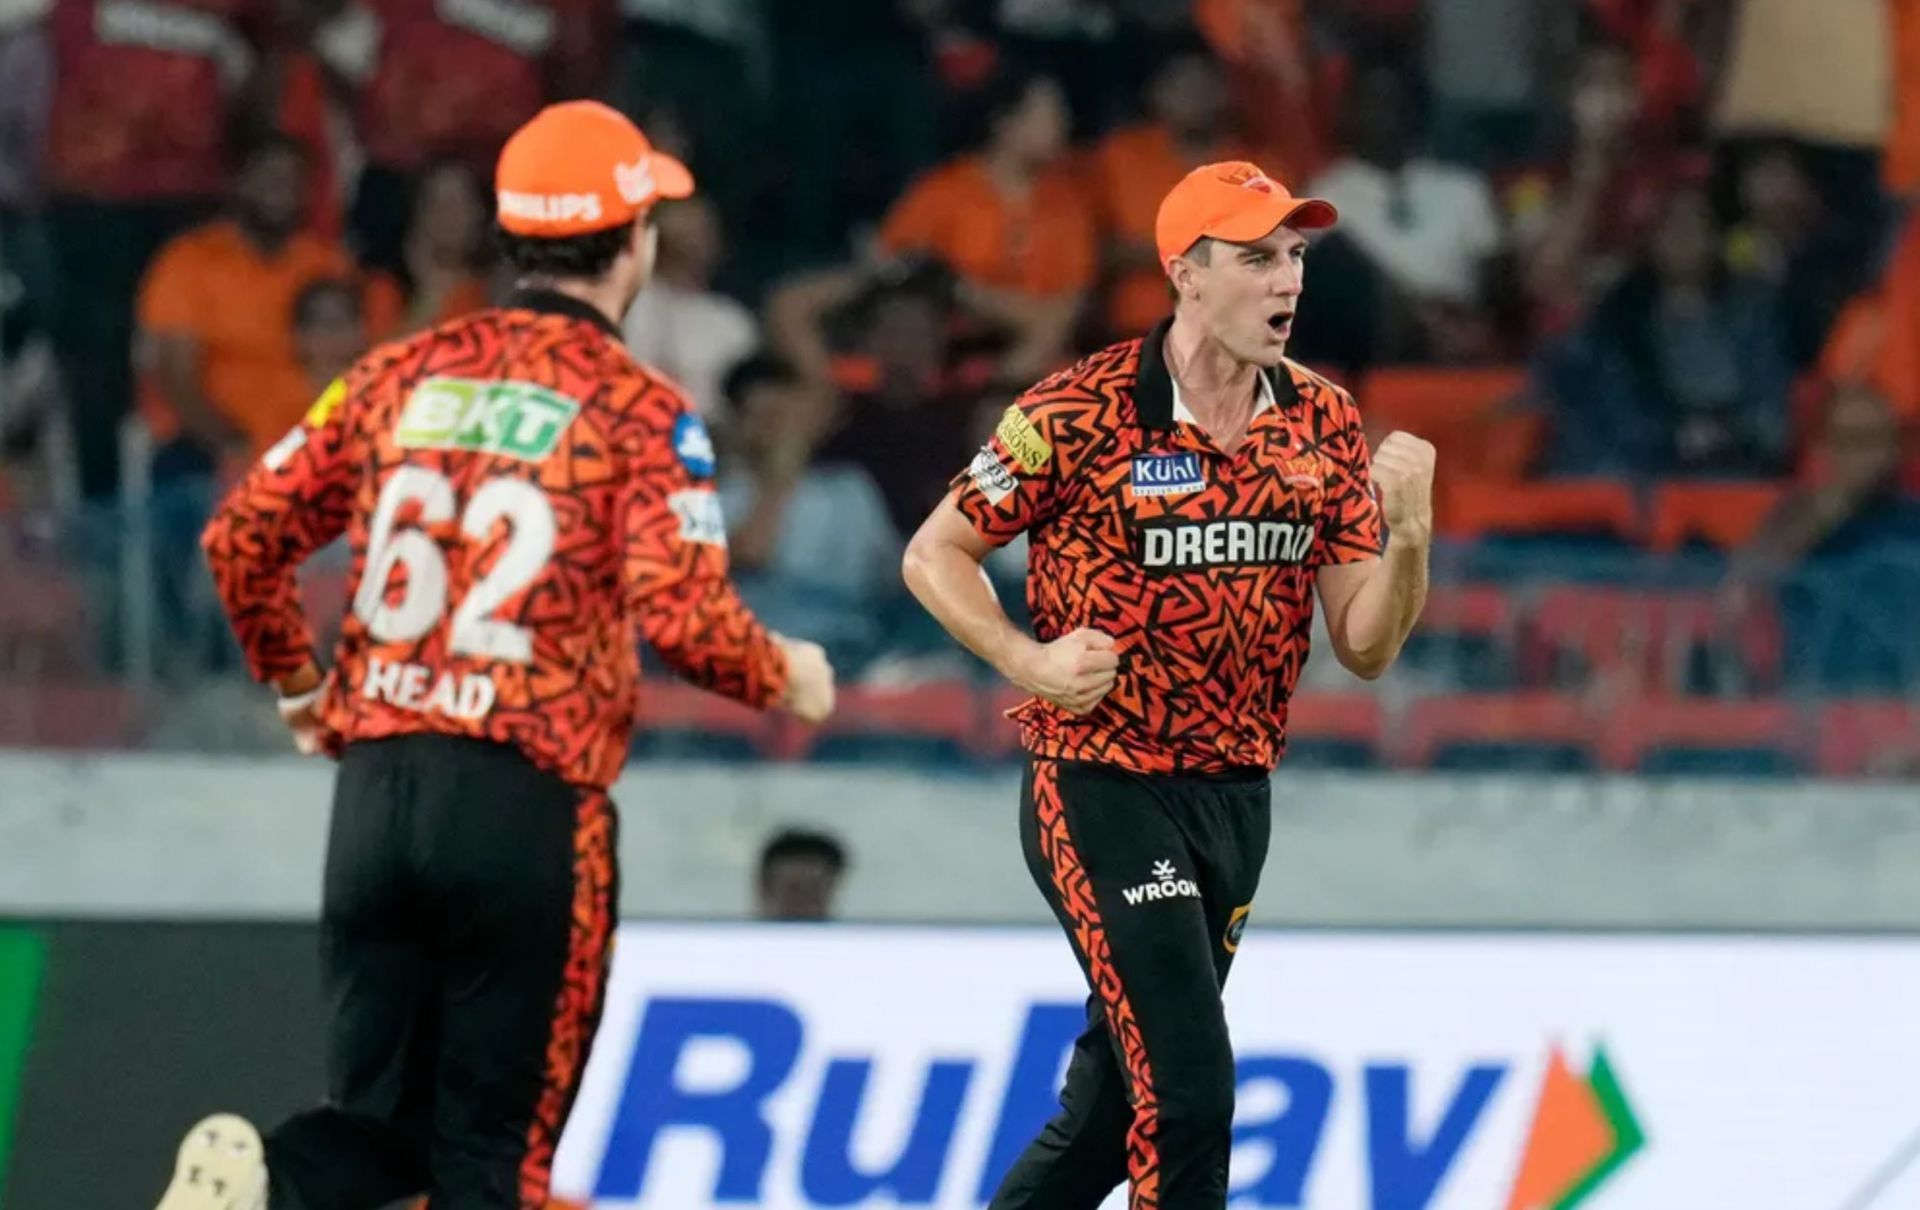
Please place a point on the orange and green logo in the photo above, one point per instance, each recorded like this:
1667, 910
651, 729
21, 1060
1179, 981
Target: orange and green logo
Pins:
1583, 1132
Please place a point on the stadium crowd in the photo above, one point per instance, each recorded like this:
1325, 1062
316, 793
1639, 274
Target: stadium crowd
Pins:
1645, 270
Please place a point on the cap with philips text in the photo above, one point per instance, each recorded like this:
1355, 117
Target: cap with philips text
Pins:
580, 167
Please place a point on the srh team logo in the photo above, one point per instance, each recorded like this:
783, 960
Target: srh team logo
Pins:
1584, 1130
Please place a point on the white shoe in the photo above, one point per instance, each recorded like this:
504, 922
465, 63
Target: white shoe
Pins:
222, 1166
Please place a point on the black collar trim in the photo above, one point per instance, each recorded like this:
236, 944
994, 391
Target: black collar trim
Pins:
552, 302
1153, 382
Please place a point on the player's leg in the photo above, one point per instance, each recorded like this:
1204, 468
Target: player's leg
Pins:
1080, 1155
1228, 826
525, 865
368, 1145
1117, 870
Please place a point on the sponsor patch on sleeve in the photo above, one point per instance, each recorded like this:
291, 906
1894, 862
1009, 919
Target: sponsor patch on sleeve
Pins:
700, 518
995, 482
329, 402
693, 445
285, 448
1023, 441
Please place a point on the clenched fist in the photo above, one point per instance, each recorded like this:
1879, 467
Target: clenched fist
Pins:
1403, 477
1073, 672
809, 679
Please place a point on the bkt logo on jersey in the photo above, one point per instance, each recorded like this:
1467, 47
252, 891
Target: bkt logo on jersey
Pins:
1419, 1119
1167, 474
1175, 544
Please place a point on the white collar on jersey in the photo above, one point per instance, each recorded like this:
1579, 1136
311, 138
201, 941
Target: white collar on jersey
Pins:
1181, 412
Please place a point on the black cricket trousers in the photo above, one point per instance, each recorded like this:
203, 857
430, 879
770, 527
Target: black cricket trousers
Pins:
1152, 877
465, 934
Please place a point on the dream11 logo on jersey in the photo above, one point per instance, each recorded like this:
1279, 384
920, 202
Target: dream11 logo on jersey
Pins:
1582, 1128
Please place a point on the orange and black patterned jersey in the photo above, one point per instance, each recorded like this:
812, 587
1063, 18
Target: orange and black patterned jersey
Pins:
524, 503
1201, 566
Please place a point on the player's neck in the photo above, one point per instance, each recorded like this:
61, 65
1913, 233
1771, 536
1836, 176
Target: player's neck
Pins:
1212, 380
604, 297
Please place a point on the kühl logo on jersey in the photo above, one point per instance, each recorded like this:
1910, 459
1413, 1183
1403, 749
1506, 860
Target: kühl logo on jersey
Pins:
1167, 474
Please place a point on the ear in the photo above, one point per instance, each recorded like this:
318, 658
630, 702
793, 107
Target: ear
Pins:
1180, 271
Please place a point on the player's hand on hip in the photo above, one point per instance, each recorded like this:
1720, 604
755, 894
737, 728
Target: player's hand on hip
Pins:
1075, 671
1403, 475
301, 713
809, 679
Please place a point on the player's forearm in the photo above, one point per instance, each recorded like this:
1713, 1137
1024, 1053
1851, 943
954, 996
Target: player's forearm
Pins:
257, 589
953, 587
1386, 607
705, 632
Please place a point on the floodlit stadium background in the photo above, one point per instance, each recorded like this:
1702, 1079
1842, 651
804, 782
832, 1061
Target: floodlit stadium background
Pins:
1603, 898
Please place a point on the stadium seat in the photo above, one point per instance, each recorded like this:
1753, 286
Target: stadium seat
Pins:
1721, 515
939, 721
1633, 639
1539, 732
1436, 402
1705, 736
1475, 508
1470, 633
1334, 731
1870, 738
679, 720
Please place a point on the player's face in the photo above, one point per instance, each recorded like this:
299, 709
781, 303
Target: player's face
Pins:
1246, 294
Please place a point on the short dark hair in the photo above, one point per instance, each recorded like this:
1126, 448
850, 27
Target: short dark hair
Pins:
316, 291
1202, 251
1002, 94
801, 842
751, 373
580, 257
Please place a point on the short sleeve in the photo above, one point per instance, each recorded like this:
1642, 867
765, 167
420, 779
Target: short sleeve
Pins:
1351, 528
1014, 482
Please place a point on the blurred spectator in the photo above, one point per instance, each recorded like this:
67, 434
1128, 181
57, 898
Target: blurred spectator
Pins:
1789, 241
1579, 225
452, 80
1680, 369
135, 154
810, 541
1677, 48
799, 876
1010, 221
329, 330
1072, 41
908, 396
1190, 123
1846, 490
680, 323
1409, 268
292, 89
443, 263
222, 373
855, 115
1871, 346
708, 60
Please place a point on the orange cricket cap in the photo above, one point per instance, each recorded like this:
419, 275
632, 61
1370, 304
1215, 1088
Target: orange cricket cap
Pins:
1236, 202
580, 167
